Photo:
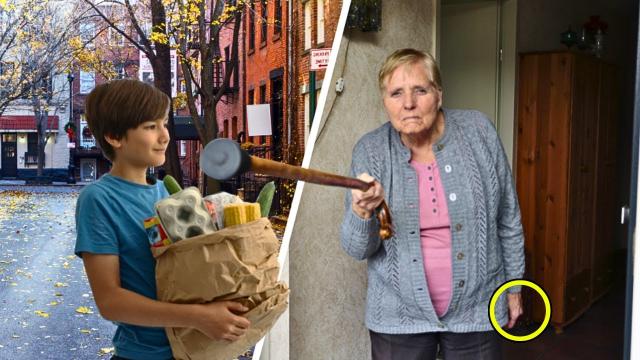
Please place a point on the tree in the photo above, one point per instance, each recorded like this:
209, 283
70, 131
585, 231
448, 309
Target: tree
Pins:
34, 52
195, 30
192, 28
135, 14
15, 75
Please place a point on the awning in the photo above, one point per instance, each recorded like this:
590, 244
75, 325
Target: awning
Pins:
184, 128
16, 123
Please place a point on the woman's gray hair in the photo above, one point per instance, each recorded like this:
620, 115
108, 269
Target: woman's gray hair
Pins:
410, 56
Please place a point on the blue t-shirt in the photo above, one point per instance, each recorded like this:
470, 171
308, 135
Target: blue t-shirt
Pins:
110, 216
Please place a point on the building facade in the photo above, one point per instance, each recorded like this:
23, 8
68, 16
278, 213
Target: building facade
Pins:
314, 27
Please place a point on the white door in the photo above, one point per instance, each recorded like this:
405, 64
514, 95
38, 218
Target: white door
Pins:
477, 55
469, 54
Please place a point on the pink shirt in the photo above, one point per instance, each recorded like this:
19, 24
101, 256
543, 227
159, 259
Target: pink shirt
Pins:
435, 235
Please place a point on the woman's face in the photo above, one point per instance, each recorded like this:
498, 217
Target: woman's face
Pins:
410, 99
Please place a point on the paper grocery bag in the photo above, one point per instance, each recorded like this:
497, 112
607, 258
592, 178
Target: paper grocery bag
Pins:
237, 263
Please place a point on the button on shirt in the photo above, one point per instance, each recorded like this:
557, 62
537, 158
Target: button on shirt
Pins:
435, 235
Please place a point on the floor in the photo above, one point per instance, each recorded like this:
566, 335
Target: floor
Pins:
598, 334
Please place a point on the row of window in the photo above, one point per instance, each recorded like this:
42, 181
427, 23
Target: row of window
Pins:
308, 24
264, 21
277, 21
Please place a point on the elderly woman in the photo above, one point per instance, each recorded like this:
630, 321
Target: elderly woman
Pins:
457, 231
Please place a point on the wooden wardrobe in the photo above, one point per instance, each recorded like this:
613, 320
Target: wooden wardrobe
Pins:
566, 177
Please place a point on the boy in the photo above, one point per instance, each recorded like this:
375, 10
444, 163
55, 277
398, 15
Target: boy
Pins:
128, 119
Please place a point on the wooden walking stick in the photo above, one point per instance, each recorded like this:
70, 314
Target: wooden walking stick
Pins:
222, 159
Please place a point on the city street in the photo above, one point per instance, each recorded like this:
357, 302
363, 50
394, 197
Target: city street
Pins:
47, 310
46, 307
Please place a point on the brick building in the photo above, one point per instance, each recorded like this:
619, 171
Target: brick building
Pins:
87, 158
229, 111
314, 27
266, 73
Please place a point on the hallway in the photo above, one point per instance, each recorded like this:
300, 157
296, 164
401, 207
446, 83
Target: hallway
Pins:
598, 334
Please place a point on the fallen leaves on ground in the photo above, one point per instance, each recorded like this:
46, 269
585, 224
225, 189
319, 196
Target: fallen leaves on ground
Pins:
41, 313
84, 310
106, 351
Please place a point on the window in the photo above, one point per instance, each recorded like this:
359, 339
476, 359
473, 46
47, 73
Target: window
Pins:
277, 17
234, 127
86, 137
146, 29
263, 100
252, 26
183, 148
226, 128
320, 19
263, 94
265, 18
250, 101
87, 81
87, 32
120, 71
227, 65
307, 25
32, 143
250, 97
307, 122
115, 38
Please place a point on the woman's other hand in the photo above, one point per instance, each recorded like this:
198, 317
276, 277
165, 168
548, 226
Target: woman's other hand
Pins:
364, 203
515, 308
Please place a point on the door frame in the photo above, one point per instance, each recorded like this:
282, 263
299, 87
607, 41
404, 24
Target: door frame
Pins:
632, 303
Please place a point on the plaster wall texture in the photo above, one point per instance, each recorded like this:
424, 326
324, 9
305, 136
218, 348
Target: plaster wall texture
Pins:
328, 288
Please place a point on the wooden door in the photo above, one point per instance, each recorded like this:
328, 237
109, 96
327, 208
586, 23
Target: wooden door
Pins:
542, 168
583, 162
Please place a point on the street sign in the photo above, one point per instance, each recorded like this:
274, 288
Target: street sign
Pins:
320, 59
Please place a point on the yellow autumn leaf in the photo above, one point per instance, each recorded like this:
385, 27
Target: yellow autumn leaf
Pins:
60, 284
85, 331
41, 313
84, 310
53, 303
65, 265
105, 351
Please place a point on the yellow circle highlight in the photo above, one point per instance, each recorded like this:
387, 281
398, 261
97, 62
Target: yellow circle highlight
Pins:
492, 308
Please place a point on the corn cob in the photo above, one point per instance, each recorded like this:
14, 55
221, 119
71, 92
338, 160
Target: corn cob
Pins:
240, 213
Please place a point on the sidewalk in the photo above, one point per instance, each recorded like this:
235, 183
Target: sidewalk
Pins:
24, 183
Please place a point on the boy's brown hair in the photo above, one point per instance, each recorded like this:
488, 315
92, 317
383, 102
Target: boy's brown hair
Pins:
114, 107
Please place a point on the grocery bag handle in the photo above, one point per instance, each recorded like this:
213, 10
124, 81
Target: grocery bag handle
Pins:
222, 159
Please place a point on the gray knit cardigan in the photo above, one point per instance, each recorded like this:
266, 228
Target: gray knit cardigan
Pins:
487, 237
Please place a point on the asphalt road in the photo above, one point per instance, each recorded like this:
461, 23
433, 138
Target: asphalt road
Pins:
47, 310
46, 307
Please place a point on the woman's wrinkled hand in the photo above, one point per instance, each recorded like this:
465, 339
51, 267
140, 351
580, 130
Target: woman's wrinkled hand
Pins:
515, 308
364, 203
